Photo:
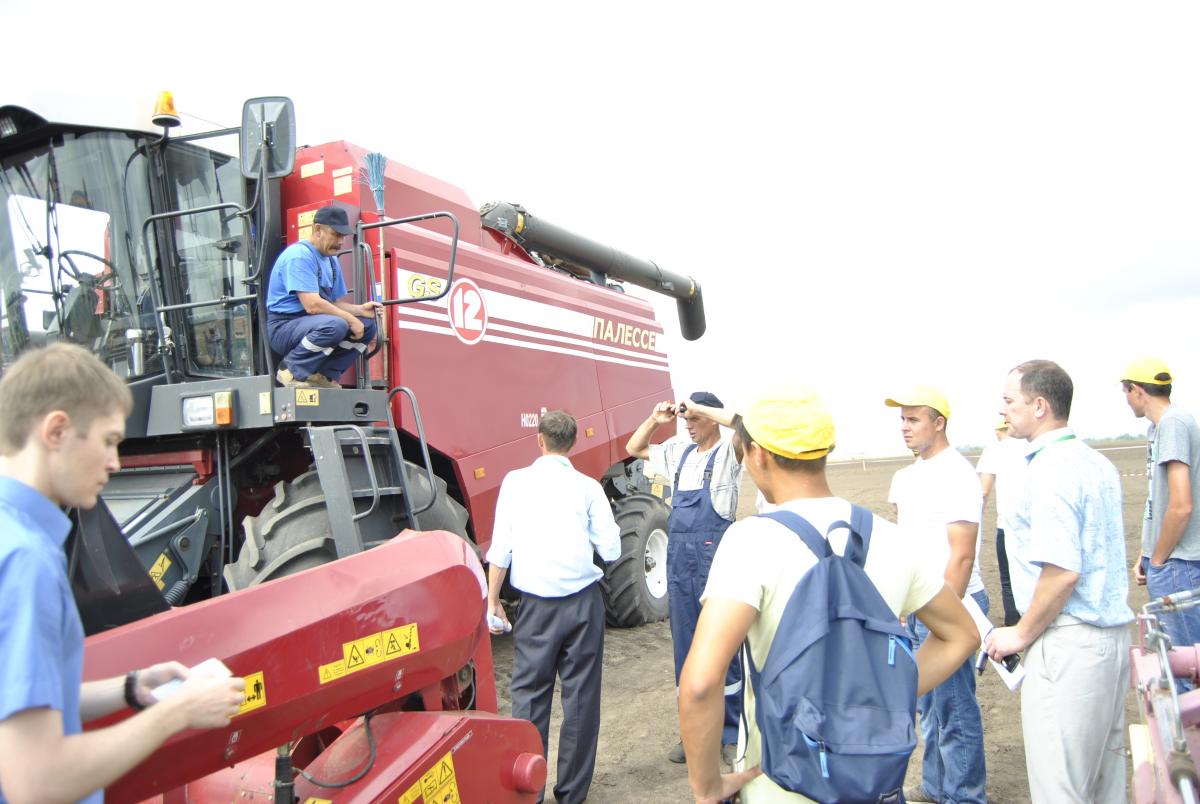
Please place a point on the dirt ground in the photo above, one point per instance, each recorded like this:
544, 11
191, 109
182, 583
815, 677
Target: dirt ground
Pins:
639, 723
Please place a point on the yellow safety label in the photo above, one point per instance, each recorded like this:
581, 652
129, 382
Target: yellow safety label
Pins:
256, 693
656, 489
370, 651
312, 169
304, 232
342, 171
343, 185
438, 784
159, 570
264, 403
318, 801
308, 396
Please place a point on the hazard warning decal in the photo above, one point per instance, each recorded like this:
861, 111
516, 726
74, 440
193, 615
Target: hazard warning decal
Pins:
467, 311
255, 695
438, 784
159, 570
370, 651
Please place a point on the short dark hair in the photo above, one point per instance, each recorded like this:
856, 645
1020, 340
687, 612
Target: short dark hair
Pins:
558, 430
1153, 389
1047, 379
812, 466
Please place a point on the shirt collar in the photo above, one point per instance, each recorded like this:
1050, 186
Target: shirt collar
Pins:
49, 518
1047, 438
561, 460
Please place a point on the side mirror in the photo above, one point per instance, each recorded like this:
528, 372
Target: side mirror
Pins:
268, 135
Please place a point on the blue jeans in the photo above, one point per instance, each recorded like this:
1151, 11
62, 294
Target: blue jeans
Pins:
953, 769
1177, 575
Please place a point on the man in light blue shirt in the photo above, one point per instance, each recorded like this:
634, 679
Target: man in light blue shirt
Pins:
318, 335
549, 520
64, 415
1070, 585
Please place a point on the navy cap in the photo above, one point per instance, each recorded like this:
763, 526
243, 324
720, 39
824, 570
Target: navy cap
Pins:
706, 398
335, 218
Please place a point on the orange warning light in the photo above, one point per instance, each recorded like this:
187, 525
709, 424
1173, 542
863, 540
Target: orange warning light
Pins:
165, 115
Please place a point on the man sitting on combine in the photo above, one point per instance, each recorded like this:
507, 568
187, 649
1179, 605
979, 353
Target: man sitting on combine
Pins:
317, 335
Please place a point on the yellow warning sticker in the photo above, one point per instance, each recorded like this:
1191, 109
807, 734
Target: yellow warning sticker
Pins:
312, 169
306, 218
305, 232
308, 396
342, 171
343, 185
656, 489
318, 801
370, 651
159, 570
438, 784
256, 693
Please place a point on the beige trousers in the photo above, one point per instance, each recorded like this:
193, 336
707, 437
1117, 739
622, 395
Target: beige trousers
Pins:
1073, 713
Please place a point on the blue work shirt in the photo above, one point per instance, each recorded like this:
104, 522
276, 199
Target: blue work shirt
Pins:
302, 269
1068, 513
549, 519
41, 637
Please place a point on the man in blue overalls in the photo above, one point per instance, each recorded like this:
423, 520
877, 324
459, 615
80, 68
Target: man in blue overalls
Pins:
317, 335
706, 470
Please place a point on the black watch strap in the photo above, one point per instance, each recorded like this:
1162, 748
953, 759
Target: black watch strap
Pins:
131, 690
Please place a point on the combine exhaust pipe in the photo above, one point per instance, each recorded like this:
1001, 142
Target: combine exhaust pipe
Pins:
595, 262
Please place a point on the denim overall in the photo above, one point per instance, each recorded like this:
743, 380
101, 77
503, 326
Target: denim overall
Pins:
695, 530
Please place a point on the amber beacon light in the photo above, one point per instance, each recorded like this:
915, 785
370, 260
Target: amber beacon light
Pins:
165, 115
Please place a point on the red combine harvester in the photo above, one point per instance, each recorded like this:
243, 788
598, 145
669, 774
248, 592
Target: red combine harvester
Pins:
369, 673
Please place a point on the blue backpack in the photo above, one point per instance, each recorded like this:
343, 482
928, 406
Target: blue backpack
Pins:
835, 701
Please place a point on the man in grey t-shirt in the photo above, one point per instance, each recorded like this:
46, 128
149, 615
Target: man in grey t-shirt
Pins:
1170, 557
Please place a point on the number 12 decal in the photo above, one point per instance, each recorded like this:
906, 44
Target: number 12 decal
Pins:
468, 314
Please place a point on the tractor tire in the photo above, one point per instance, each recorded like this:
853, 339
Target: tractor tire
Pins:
635, 585
293, 533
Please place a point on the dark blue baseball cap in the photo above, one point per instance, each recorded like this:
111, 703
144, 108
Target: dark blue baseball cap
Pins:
335, 218
706, 398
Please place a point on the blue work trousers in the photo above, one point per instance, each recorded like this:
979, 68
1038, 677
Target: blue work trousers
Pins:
953, 769
317, 343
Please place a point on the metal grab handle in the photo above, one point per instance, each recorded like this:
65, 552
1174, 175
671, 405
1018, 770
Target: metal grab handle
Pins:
393, 434
362, 437
364, 227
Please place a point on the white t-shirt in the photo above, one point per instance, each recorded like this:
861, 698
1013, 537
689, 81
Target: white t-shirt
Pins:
726, 476
759, 562
1004, 460
930, 494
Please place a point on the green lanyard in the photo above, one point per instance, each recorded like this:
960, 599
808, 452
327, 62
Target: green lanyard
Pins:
1034, 454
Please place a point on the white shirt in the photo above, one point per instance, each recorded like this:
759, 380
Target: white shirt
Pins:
726, 476
759, 562
931, 493
1004, 460
549, 518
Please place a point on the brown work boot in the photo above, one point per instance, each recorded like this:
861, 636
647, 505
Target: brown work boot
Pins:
319, 380
284, 375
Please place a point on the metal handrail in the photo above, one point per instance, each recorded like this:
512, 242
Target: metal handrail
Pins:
394, 436
366, 447
364, 227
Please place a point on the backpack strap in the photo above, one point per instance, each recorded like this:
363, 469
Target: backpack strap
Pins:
797, 524
859, 540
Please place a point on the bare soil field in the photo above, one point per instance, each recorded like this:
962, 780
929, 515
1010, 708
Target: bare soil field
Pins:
639, 721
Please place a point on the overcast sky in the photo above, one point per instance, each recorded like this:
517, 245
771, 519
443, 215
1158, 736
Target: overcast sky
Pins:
871, 194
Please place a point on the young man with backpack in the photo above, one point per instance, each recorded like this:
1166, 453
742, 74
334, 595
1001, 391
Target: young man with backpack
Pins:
761, 562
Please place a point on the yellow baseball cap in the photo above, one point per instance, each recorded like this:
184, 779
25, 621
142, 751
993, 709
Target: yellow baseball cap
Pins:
1149, 370
792, 423
920, 395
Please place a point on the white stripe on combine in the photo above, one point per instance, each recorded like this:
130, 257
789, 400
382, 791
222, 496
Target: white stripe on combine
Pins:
567, 339
538, 347
312, 347
359, 345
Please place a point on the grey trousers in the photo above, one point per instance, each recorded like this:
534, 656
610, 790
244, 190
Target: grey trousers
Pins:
1073, 713
562, 636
